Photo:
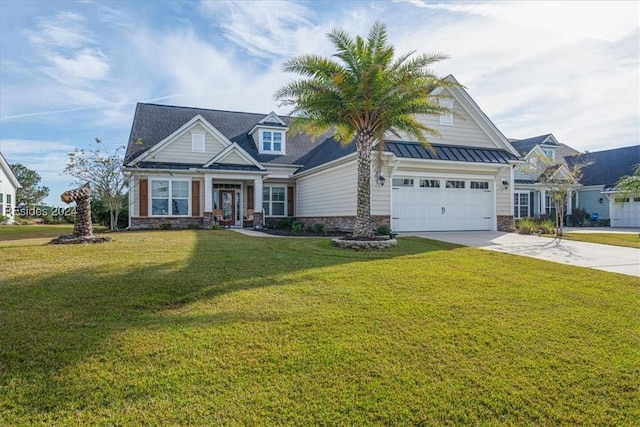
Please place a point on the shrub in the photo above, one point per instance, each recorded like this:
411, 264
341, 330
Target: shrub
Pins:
166, 226
320, 228
297, 227
194, 226
3, 219
579, 217
216, 227
526, 226
284, 223
547, 227
383, 229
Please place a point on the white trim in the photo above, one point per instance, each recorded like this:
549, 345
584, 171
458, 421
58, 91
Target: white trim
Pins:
270, 201
275, 118
446, 118
150, 197
7, 170
234, 147
198, 119
273, 131
195, 142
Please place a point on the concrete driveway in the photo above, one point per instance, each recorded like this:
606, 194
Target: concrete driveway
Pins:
601, 257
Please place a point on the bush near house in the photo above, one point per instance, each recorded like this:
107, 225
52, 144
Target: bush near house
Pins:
535, 226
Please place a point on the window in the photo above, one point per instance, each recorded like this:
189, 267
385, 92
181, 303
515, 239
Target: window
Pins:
197, 142
616, 200
273, 201
446, 118
430, 183
266, 141
455, 184
272, 142
169, 197
9, 199
521, 205
480, 185
402, 182
549, 152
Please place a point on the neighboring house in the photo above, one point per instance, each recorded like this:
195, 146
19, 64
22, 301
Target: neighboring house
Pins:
531, 197
197, 166
8, 186
597, 195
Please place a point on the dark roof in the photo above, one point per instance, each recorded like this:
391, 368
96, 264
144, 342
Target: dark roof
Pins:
608, 166
413, 150
153, 122
523, 146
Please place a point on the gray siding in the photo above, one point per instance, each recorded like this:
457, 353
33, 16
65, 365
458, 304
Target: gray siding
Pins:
179, 150
590, 201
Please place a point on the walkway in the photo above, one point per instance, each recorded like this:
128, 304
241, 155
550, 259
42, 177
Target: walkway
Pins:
600, 257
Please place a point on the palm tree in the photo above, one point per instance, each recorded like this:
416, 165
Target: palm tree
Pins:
629, 185
361, 92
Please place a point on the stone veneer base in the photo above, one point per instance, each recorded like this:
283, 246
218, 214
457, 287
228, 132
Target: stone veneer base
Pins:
364, 244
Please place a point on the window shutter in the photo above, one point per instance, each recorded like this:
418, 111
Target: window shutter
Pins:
144, 197
195, 198
289, 201
250, 197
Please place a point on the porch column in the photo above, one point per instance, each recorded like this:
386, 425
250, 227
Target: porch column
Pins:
257, 194
543, 202
208, 193
569, 202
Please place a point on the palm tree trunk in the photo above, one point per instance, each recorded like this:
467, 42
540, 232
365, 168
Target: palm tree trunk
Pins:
363, 226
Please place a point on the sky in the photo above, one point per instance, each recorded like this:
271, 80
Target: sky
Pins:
71, 72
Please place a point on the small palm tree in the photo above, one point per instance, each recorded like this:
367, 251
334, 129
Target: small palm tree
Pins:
361, 94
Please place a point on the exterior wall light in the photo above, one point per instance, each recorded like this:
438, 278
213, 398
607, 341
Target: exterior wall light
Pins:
382, 179
505, 184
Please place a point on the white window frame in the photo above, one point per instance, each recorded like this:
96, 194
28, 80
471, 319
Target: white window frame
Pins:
169, 197
271, 149
198, 142
446, 118
403, 182
455, 184
479, 185
550, 153
269, 201
517, 206
429, 183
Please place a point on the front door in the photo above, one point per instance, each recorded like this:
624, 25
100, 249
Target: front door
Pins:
227, 204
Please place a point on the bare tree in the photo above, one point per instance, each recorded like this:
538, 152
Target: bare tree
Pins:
102, 169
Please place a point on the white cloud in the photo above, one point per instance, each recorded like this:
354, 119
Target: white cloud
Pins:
264, 29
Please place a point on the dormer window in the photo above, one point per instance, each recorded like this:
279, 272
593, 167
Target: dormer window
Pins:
549, 153
270, 135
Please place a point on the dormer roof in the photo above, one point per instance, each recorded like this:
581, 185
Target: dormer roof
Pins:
524, 146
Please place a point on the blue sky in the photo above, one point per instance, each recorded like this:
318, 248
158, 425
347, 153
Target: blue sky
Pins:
73, 71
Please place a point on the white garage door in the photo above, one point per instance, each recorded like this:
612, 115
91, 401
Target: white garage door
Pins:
436, 204
627, 214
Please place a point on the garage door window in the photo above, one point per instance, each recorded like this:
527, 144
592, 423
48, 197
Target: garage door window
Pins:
402, 182
455, 184
480, 185
430, 183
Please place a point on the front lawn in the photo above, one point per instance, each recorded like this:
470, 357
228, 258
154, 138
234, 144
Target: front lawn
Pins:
629, 240
215, 328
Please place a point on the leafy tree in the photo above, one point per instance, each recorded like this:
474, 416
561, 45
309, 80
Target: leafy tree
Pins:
363, 92
558, 180
31, 193
102, 170
629, 185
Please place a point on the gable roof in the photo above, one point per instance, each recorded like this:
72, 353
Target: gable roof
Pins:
153, 123
8, 172
607, 166
524, 146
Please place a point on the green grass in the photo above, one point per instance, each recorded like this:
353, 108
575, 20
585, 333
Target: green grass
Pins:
629, 240
21, 232
214, 328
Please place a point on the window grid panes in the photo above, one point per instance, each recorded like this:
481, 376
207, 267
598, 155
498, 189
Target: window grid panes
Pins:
266, 141
521, 205
402, 182
273, 201
455, 184
430, 183
480, 185
169, 197
277, 141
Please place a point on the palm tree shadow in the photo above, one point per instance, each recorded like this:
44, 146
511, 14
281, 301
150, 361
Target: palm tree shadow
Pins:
49, 322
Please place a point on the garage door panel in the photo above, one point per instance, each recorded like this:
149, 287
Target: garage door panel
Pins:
442, 209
